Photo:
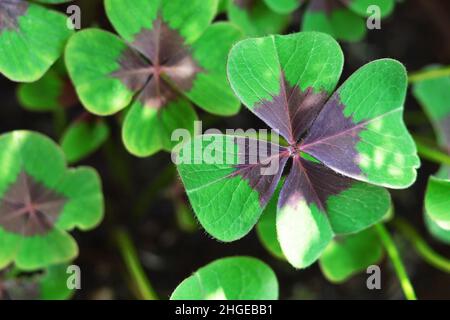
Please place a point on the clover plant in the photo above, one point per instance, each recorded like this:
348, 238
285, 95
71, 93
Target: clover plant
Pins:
344, 146
345, 255
54, 92
434, 96
32, 38
343, 19
234, 278
40, 202
49, 284
167, 57
255, 18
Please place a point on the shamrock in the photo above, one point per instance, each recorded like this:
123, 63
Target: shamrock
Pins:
50, 284
40, 199
32, 38
54, 92
343, 147
169, 56
255, 18
223, 279
434, 96
343, 19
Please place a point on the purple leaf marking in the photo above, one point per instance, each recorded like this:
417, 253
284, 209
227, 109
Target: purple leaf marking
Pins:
311, 182
261, 163
10, 11
292, 111
29, 208
333, 137
158, 64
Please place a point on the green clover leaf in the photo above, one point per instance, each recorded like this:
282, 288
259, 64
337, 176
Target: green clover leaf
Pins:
40, 203
50, 284
168, 56
434, 97
254, 18
32, 38
235, 278
355, 140
343, 19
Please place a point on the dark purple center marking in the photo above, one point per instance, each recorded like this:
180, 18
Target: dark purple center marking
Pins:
158, 64
333, 137
311, 182
19, 289
328, 6
29, 208
10, 11
292, 111
261, 163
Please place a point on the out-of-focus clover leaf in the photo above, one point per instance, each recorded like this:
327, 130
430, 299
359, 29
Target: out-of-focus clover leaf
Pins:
343, 19
49, 284
434, 97
254, 18
40, 200
32, 38
167, 56
235, 278
54, 92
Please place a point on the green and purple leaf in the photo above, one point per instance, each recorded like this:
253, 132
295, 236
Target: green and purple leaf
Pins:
254, 18
315, 203
360, 131
51, 284
285, 80
225, 181
32, 38
235, 278
39, 203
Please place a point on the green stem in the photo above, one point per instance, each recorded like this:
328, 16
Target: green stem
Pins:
422, 248
396, 260
431, 153
137, 274
429, 74
59, 121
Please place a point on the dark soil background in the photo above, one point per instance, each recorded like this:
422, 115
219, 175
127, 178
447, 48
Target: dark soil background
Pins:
140, 193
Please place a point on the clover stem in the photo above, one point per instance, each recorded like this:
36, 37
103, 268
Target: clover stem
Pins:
396, 261
429, 74
431, 153
422, 248
135, 269
59, 121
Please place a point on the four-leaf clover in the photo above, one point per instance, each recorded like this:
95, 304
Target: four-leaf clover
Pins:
40, 200
344, 146
169, 55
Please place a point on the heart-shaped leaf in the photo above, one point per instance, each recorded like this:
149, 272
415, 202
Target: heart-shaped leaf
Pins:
255, 18
434, 97
283, 6
39, 203
349, 255
51, 284
83, 137
285, 80
235, 278
368, 139
437, 202
225, 187
32, 38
